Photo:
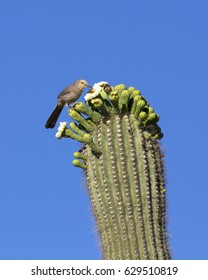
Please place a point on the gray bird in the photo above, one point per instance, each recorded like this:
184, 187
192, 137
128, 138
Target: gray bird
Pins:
69, 95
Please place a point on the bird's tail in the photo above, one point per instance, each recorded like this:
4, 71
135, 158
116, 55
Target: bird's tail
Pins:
51, 122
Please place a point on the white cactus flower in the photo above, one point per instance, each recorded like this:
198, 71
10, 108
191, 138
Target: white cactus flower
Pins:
61, 128
97, 87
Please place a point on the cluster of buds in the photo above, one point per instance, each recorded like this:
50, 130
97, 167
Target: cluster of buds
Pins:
103, 101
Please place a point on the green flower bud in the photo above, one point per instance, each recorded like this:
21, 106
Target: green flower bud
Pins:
96, 103
123, 100
113, 96
139, 107
76, 129
81, 108
131, 89
150, 110
78, 163
135, 93
142, 117
77, 117
79, 155
120, 87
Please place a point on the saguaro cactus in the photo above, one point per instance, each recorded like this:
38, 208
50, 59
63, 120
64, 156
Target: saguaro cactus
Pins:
123, 164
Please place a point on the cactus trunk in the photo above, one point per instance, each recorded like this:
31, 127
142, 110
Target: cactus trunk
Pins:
123, 164
126, 188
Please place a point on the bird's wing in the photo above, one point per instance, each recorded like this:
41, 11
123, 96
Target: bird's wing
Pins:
65, 91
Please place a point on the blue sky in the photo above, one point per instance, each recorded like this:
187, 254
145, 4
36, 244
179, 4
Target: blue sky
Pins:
160, 47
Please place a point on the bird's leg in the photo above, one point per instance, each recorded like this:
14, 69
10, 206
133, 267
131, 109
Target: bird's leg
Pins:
70, 105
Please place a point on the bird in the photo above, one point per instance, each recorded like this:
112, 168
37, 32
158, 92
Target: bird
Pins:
68, 95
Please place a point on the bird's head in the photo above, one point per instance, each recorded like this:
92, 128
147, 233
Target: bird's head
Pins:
82, 84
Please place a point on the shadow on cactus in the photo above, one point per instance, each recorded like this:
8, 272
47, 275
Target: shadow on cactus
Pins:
123, 166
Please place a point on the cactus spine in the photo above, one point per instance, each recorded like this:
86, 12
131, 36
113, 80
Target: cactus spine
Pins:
123, 164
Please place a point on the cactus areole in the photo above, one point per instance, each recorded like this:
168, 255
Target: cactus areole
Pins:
123, 165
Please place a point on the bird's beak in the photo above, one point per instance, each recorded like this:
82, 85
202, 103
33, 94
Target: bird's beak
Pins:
87, 85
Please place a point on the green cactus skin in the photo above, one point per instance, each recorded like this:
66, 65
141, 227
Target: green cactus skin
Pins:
123, 165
